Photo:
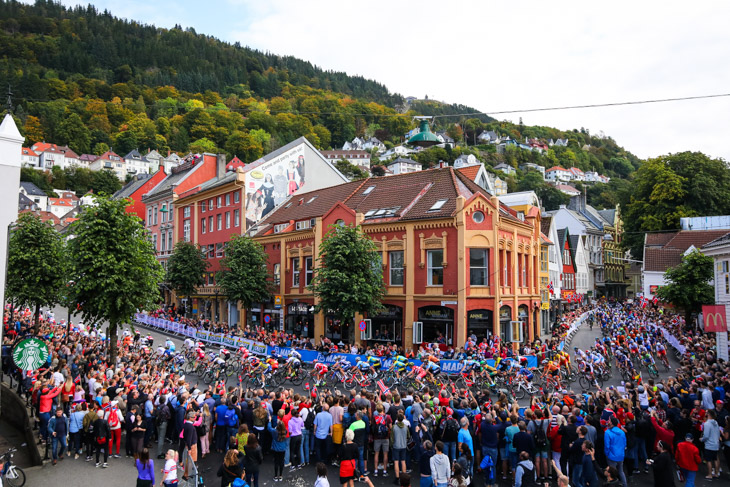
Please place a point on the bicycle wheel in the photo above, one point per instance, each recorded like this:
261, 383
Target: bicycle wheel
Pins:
519, 392
15, 477
653, 370
297, 378
208, 376
584, 383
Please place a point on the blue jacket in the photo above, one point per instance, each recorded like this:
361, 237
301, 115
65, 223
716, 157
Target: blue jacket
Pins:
615, 442
76, 422
276, 445
52, 424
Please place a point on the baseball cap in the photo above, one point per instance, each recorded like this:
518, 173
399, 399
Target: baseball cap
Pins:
719, 402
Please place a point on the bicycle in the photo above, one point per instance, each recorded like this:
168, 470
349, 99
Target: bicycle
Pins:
12, 475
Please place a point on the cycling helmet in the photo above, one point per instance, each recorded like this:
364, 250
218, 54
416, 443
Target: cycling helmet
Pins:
523, 361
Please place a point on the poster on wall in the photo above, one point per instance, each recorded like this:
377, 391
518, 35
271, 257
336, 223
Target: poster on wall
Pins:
272, 182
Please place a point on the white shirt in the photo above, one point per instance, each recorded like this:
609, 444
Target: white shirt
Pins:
171, 469
58, 378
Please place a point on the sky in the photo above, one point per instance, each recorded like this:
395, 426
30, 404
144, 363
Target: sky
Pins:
499, 56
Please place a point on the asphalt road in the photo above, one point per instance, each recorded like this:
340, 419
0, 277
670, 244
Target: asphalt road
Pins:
122, 472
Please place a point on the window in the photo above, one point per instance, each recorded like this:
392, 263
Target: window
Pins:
308, 271
228, 199
724, 266
312, 199
435, 267
438, 205
220, 201
236, 218
303, 225
210, 223
505, 270
478, 265
395, 265
543, 260
171, 214
368, 190
524, 271
211, 251
202, 225
202, 207
186, 230
169, 240
280, 227
727, 284
219, 221
154, 241
219, 250
149, 216
237, 197
277, 273
478, 217
210, 204
163, 242
164, 212
228, 219
566, 257
186, 212
295, 272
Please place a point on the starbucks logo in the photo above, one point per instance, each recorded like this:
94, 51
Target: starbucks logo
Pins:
30, 354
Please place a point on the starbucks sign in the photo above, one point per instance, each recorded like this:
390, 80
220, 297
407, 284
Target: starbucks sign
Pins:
30, 354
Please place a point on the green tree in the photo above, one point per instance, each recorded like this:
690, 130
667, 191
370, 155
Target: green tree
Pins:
350, 170
74, 133
114, 267
349, 278
186, 268
105, 182
244, 277
36, 264
689, 284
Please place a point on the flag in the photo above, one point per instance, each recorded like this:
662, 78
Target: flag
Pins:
551, 288
314, 391
306, 386
655, 300
77, 379
382, 386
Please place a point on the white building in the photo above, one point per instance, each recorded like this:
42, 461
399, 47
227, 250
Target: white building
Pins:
35, 194
112, 162
359, 158
557, 173
505, 168
60, 206
719, 250
11, 144
403, 165
136, 163
577, 174
721, 222
29, 158
582, 281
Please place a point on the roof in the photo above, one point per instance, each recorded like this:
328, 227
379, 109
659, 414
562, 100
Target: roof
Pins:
43, 215
557, 168
567, 187
23, 200
32, 189
575, 170
29, 152
469, 171
60, 202
344, 153
718, 241
573, 242
545, 224
129, 189
134, 154
234, 163
608, 215
545, 239
660, 257
88, 157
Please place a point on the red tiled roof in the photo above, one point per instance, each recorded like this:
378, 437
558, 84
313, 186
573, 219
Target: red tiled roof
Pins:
60, 202
29, 152
469, 171
44, 216
544, 237
556, 168
234, 163
666, 249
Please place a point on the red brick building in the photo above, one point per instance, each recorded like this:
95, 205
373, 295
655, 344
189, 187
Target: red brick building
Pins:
454, 258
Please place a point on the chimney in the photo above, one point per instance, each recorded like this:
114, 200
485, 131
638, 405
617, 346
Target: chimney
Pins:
220, 169
161, 167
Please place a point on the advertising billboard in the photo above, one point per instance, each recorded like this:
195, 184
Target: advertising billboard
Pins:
273, 181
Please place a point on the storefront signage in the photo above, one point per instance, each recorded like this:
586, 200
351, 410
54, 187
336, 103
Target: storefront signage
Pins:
449, 303
480, 315
277, 301
545, 306
30, 354
435, 313
209, 290
714, 318
298, 308
389, 311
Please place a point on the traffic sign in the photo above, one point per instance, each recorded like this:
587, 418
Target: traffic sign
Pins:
363, 326
267, 319
30, 354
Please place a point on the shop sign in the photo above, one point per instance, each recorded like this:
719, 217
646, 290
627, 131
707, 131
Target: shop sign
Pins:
545, 306
30, 354
435, 313
483, 315
389, 311
298, 308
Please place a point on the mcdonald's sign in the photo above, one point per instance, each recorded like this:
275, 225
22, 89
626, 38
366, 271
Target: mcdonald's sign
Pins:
714, 318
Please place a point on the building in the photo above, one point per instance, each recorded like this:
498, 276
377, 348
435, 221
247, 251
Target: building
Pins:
110, 161
558, 174
158, 201
140, 185
577, 174
210, 211
531, 166
568, 278
29, 158
402, 165
499, 185
555, 270
35, 194
359, 158
721, 222
581, 265
617, 282
11, 145
50, 155
719, 250
454, 258
475, 171
663, 250
25, 203
60, 206
568, 189
505, 168
136, 163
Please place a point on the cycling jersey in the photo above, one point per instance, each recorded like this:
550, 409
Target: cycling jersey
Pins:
374, 361
293, 362
471, 365
343, 363
433, 367
320, 368
362, 365
527, 373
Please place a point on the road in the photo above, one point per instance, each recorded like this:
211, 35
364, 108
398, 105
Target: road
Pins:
121, 472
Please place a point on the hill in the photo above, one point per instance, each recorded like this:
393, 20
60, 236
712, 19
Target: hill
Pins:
87, 79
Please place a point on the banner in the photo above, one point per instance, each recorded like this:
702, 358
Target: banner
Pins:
714, 318
308, 356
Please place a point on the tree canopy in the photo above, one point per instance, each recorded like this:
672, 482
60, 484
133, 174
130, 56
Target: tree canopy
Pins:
244, 277
37, 269
688, 285
114, 267
349, 277
186, 268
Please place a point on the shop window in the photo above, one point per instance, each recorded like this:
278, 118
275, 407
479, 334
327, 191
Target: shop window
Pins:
435, 267
277, 274
237, 197
228, 199
478, 267
395, 264
219, 221
295, 272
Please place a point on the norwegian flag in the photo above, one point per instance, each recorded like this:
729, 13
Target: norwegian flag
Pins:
306, 386
643, 302
655, 300
314, 391
77, 379
569, 298
383, 388
551, 288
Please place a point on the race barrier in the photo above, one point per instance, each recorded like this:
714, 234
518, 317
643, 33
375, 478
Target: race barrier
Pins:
260, 348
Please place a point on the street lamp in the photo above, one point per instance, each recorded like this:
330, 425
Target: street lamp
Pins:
424, 138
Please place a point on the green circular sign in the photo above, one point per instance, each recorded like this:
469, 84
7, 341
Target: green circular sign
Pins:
30, 354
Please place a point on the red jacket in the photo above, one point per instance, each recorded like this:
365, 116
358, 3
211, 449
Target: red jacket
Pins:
663, 434
688, 456
46, 400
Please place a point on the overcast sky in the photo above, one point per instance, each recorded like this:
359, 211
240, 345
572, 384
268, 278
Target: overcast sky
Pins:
498, 56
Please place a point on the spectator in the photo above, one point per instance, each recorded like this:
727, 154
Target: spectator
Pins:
440, 466
58, 427
323, 432
401, 435
525, 471
230, 469
711, 440
688, 460
424, 464
322, 480
169, 471
145, 469
662, 465
615, 446
348, 460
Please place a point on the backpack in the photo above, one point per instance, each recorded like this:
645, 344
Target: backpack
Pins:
450, 430
163, 413
539, 436
487, 467
231, 418
381, 427
309, 422
113, 417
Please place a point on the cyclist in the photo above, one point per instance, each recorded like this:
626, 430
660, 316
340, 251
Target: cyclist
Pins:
341, 365
432, 368
399, 365
647, 358
188, 344
321, 370
361, 367
418, 372
169, 345
293, 362
661, 351
524, 371
374, 362
470, 366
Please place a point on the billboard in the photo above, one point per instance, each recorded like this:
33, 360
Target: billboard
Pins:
714, 317
272, 182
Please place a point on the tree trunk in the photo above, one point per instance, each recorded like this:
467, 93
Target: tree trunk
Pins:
112, 337
37, 326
